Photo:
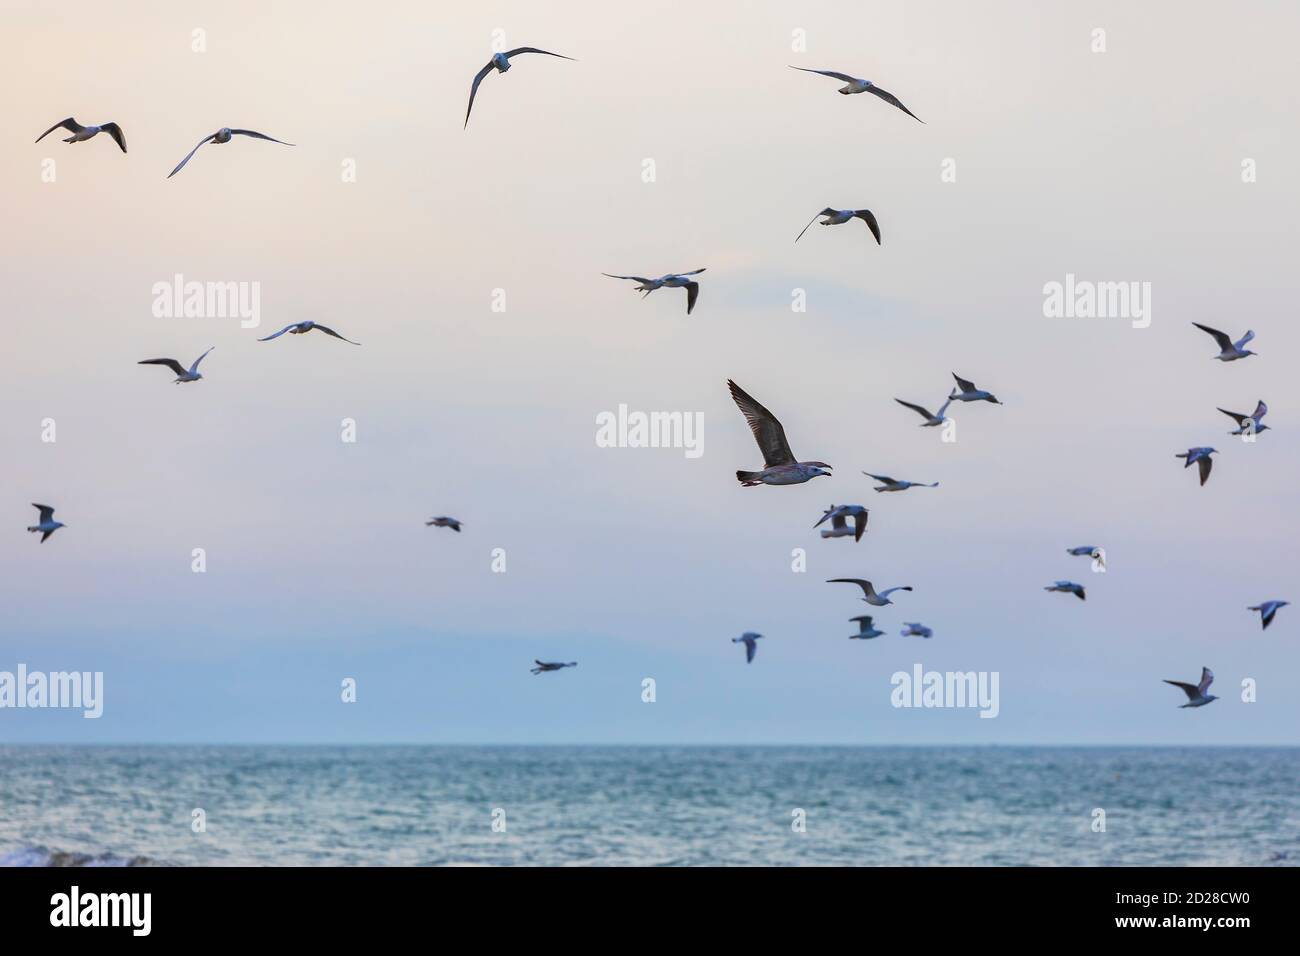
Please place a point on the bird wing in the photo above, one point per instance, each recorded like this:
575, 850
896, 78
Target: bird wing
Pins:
46, 511
276, 335
257, 135
473, 90
1225, 343
115, 131
839, 520
864, 621
1188, 689
328, 331
533, 49
195, 367
751, 648
767, 430
831, 73
641, 279
693, 272
1250, 334
810, 221
71, 125
172, 364
1207, 678
1239, 418
831, 512
1265, 619
1205, 464
867, 589
916, 408
1260, 410
190, 155
889, 591
692, 293
963, 384
867, 216
893, 100
943, 408
880, 477
859, 525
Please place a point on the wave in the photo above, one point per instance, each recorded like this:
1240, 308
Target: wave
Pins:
44, 856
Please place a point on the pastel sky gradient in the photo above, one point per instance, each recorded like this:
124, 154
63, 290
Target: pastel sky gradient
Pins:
637, 563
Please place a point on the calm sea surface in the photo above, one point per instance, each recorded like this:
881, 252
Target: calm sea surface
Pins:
676, 806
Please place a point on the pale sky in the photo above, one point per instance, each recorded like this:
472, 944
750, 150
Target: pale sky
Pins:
1124, 165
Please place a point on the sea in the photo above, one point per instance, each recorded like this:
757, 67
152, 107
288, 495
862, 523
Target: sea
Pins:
648, 806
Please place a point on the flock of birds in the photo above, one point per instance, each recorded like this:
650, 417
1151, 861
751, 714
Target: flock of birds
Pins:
780, 466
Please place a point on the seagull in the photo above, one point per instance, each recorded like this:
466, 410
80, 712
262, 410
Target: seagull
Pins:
443, 521
47, 525
224, 135
892, 484
748, 639
1203, 459
300, 328
1229, 351
866, 630
839, 519
181, 374
1266, 610
779, 466
967, 392
674, 280
931, 421
914, 629
82, 133
501, 62
543, 666
1196, 693
856, 85
1068, 587
837, 217
839, 528
869, 592
1260, 411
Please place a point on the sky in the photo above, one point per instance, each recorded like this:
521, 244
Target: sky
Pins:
1122, 165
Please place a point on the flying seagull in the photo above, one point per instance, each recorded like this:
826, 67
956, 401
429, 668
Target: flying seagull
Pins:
543, 666
839, 519
300, 328
866, 630
915, 629
1202, 457
1266, 610
748, 639
47, 525
674, 280
839, 528
837, 217
1229, 351
779, 466
192, 375
1196, 693
1254, 418
501, 62
893, 484
1068, 587
856, 85
82, 133
931, 421
869, 592
967, 392
224, 135
442, 521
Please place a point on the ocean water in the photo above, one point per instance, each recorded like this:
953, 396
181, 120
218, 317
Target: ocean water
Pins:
683, 806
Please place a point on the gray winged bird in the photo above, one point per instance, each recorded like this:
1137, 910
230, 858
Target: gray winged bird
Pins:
856, 85
869, 592
46, 525
779, 465
1255, 417
674, 280
866, 630
82, 133
895, 484
1069, 587
748, 639
1201, 456
837, 217
224, 135
967, 392
544, 666
182, 374
1229, 351
442, 521
301, 328
931, 420
839, 519
1196, 693
1267, 610
501, 62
